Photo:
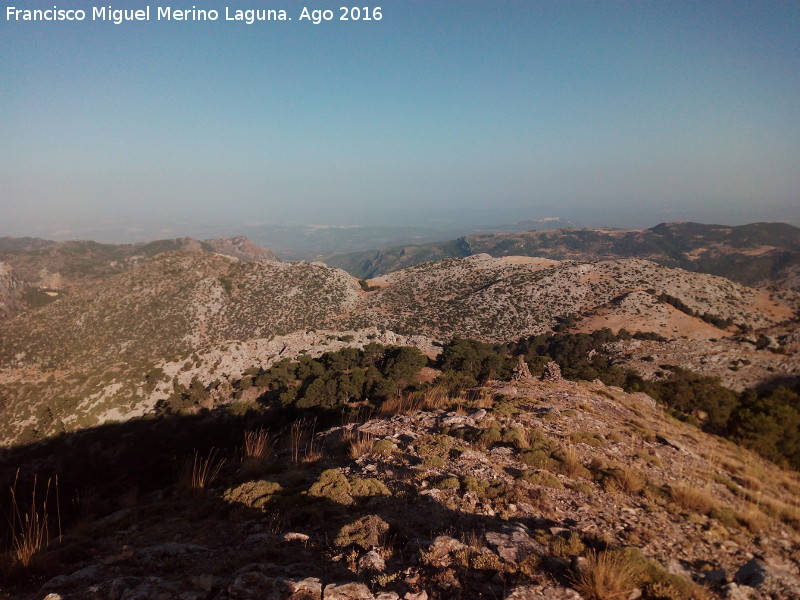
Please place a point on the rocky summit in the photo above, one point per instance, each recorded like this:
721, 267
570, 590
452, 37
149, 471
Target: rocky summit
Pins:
520, 489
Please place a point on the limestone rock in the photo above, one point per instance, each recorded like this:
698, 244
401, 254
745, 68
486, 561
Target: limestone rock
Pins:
371, 561
439, 552
539, 592
347, 591
134, 588
513, 544
769, 580
257, 586
734, 591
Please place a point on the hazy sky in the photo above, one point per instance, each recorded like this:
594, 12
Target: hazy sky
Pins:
618, 112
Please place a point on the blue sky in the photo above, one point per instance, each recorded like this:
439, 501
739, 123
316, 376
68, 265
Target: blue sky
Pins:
617, 113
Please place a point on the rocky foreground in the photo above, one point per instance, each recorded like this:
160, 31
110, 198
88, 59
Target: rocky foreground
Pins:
522, 489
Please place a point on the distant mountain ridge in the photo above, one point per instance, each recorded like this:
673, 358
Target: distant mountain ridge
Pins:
34, 271
754, 254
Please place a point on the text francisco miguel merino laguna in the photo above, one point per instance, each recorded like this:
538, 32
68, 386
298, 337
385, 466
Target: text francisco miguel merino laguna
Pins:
168, 13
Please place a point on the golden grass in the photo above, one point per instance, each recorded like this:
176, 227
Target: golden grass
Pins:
607, 576
258, 444
692, 499
570, 462
752, 518
30, 530
522, 439
359, 444
432, 398
751, 483
481, 398
630, 480
301, 441
402, 404
202, 472
436, 397
787, 513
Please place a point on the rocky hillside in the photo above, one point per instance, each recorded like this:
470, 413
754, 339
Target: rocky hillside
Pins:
520, 490
753, 254
740, 362
180, 302
43, 403
112, 350
504, 298
34, 272
177, 303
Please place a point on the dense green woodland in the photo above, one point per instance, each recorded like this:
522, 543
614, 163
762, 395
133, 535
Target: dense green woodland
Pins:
765, 421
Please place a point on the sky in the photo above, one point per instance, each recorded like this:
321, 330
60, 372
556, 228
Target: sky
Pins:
615, 113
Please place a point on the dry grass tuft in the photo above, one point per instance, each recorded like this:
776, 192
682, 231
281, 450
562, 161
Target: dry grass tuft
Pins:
521, 438
482, 398
202, 472
402, 404
257, 447
789, 514
752, 518
630, 480
301, 441
432, 398
258, 444
693, 499
607, 576
571, 462
360, 444
30, 530
436, 397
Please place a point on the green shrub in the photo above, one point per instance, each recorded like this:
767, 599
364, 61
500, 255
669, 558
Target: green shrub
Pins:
365, 533
539, 459
448, 483
335, 486
365, 488
384, 447
588, 437
725, 515
254, 494
332, 485
543, 478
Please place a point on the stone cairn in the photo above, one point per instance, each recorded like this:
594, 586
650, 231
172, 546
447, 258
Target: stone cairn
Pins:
522, 371
552, 372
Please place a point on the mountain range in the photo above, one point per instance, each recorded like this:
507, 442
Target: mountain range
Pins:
99, 341
752, 254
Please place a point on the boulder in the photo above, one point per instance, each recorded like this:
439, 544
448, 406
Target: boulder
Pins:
769, 579
257, 586
347, 591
